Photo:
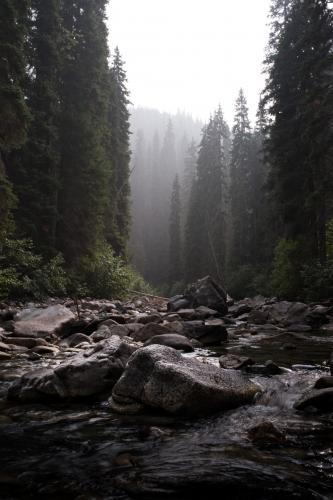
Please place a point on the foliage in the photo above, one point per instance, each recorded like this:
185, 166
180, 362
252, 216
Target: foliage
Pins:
175, 264
286, 277
317, 281
249, 281
24, 274
107, 276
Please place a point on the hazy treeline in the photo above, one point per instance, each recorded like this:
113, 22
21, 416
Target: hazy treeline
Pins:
64, 140
251, 206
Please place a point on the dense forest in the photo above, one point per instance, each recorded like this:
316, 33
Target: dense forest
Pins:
249, 204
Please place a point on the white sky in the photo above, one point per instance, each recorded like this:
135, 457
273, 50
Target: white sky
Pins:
191, 55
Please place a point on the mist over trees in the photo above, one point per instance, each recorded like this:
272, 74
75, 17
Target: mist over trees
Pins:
255, 202
89, 183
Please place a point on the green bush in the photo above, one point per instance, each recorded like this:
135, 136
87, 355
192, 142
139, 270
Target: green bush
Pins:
107, 276
286, 280
318, 281
24, 274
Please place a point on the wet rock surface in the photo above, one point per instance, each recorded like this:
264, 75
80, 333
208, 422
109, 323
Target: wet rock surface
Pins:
159, 377
80, 448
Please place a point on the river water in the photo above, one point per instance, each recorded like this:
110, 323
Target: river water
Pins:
85, 452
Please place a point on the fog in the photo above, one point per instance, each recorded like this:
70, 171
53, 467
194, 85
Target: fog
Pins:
190, 55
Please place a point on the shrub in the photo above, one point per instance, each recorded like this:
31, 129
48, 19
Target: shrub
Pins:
286, 277
318, 281
24, 274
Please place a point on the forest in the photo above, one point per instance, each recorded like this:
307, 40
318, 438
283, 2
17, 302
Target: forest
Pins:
91, 186
166, 281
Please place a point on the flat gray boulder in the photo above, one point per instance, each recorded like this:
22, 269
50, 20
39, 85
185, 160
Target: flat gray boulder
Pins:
160, 377
87, 374
36, 322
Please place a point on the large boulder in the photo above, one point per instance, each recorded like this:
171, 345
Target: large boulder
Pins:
36, 322
160, 377
86, 374
204, 292
208, 333
321, 399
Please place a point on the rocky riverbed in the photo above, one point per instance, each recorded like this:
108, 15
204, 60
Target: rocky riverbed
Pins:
144, 399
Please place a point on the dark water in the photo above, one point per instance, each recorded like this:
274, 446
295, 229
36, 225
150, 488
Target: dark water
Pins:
83, 451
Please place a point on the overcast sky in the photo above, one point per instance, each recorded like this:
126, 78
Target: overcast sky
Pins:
191, 55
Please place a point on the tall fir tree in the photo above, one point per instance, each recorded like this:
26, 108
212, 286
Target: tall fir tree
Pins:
299, 98
36, 178
117, 214
175, 252
84, 168
205, 248
241, 209
14, 115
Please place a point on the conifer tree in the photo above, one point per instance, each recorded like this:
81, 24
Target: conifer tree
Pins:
14, 115
84, 169
36, 178
117, 214
175, 267
206, 232
240, 183
298, 96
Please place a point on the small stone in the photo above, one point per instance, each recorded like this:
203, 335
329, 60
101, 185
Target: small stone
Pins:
234, 362
266, 433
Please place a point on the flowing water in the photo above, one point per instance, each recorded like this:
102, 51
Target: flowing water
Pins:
85, 452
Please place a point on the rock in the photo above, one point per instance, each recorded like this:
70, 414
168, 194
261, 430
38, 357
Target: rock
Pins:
36, 322
4, 356
148, 331
266, 433
75, 339
45, 350
175, 327
26, 341
321, 399
174, 340
331, 363
327, 328
234, 362
177, 302
209, 333
87, 374
4, 347
324, 382
160, 377
149, 318
206, 292
272, 368
258, 317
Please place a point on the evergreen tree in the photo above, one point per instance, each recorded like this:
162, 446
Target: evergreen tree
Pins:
298, 96
175, 267
36, 178
206, 229
117, 214
14, 115
84, 168
241, 209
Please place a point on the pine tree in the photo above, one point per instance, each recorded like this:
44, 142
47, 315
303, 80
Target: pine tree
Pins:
175, 266
14, 115
36, 178
298, 96
117, 214
84, 168
241, 208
